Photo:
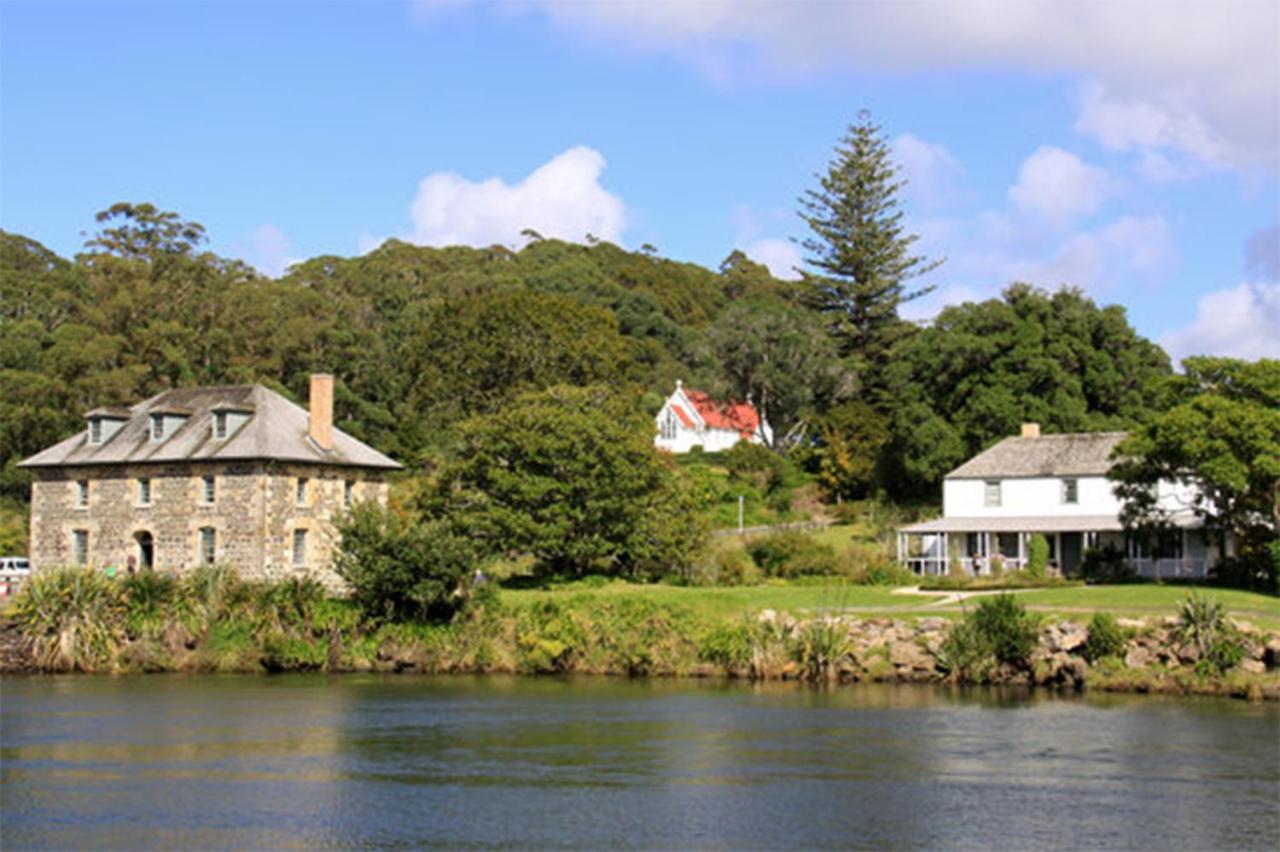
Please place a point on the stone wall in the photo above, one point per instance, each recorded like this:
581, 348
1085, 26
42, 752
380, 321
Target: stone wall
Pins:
254, 514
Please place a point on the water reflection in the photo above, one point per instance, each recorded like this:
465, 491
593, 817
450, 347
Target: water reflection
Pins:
370, 760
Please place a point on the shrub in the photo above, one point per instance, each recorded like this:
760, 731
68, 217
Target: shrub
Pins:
1037, 556
1255, 569
1006, 626
731, 566
756, 464
1105, 565
727, 646
887, 572
999, 630
400, 569
1106, 638
788, 553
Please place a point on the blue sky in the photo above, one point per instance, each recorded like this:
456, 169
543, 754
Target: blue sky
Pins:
1129, 148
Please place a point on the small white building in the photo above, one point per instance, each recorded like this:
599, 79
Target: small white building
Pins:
691, 418
1056, 486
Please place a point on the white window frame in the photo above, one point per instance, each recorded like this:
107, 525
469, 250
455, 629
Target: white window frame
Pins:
299, 548
95, 430
208, 553
1070, 491
992, 493
80, 547
219, 425
82, 493
157, 427
208, 490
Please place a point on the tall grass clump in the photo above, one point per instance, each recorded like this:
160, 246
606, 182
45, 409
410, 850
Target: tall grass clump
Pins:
74, 619
1203, 623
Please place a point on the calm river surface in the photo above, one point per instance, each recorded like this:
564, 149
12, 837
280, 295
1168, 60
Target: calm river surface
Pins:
302, 761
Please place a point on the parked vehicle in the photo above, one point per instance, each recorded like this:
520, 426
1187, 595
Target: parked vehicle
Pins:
13, 570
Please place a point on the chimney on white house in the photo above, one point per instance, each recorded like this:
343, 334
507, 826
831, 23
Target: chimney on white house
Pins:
321, 419
1031, 430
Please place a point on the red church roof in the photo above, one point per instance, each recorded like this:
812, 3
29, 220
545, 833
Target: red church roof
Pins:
739, 416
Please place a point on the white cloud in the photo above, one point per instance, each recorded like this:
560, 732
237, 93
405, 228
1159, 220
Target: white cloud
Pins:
932, 172
780, 256
1058, 187
1240, 322
562, 198
269, 250
1201, 76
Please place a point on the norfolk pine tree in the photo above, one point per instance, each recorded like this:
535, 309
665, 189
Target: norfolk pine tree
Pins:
859, 253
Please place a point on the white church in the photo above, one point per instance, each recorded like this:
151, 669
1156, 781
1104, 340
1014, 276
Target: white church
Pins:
691, 418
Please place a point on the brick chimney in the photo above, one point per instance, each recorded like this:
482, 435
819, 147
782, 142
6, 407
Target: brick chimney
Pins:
1031, 430
321, 419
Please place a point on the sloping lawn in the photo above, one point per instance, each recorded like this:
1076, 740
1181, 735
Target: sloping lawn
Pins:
1149, 599
1078, 602
729, 601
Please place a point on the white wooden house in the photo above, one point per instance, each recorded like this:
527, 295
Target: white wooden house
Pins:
691, 418
1056, 486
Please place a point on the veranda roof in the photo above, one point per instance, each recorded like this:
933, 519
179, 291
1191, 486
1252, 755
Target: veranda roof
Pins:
1038, 524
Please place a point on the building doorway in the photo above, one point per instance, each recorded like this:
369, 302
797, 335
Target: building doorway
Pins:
146, 550
1072, 547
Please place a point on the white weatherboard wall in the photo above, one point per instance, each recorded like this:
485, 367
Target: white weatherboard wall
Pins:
1024, 497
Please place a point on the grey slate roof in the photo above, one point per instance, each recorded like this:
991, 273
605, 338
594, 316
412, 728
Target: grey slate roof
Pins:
277, 430
1074, 454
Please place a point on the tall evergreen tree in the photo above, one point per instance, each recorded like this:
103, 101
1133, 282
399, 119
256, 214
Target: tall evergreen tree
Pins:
859, 253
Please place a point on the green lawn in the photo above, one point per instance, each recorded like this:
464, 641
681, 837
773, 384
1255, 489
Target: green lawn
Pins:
730, 601
1146, 600
1137, 601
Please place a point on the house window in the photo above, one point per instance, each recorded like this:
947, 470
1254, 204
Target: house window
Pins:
144, 492
348, 493
208, 545
157, 427
80, 546
991, 493
82, 494
300, 491
299, 548
95, 431
1070, 491
219, 424
209, 489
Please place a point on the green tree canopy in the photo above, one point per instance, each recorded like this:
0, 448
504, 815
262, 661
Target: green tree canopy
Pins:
981, 369
1223, 438
570, 476
779, 357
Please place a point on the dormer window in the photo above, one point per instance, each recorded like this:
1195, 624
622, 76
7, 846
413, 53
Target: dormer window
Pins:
157, 427
219, 425
104, 423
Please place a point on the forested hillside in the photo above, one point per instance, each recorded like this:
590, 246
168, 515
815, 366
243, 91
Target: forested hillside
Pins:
422, 338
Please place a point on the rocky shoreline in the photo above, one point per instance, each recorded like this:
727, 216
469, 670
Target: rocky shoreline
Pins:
1155, 658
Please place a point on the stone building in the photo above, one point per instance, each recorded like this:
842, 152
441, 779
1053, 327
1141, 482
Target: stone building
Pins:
200, 476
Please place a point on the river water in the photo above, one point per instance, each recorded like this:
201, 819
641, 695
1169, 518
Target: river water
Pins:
217, 762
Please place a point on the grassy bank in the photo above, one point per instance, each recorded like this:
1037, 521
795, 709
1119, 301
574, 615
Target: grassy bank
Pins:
213, 622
